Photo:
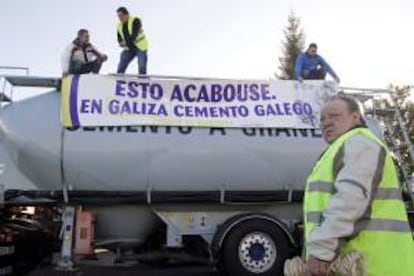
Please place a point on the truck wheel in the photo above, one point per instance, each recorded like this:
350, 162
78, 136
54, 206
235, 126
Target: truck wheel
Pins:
255, 247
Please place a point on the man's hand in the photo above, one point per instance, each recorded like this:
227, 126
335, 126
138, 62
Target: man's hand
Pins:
104, 57
123, 45
317, 267
337, 79
65, 74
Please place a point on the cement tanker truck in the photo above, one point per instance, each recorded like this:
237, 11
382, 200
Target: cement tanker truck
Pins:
231, 195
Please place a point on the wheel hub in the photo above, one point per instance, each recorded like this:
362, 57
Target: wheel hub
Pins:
257, 252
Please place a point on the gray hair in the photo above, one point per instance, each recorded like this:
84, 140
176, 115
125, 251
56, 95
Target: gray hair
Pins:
351, 102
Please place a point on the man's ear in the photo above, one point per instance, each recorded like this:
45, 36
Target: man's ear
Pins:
356, 116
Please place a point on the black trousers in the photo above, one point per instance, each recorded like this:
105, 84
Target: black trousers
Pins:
78, 67
315, 74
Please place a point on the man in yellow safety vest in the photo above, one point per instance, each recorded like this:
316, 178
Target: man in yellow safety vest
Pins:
353, 200
133, 41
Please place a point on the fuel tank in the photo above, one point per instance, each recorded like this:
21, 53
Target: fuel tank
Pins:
138, 158
116, 161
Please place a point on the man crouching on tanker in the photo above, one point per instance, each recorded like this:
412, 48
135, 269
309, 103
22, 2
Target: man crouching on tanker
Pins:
353, 200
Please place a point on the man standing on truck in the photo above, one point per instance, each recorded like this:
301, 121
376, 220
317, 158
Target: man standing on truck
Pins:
132, 39
352, 199
311, 66
81, 57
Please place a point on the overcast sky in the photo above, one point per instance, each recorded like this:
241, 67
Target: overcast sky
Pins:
368, 43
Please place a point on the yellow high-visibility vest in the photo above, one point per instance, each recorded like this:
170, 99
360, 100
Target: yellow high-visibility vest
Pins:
141, 41
382, 235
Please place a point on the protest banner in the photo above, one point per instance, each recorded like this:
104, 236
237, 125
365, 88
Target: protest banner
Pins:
98, 100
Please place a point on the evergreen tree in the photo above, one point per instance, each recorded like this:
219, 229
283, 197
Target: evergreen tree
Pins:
407, 111
293, 45
406, 107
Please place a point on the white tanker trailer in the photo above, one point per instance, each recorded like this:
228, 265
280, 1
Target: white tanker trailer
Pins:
238, 189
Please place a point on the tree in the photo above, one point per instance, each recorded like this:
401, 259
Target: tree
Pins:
406, 107
293, 45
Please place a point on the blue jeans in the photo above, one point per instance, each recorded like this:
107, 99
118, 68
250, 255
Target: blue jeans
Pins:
128, 55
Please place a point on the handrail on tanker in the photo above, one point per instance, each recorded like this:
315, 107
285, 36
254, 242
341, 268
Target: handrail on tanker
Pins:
362, 94
366, 90
36, 81
16, 68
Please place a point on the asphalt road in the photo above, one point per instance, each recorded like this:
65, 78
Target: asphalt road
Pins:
104, 266
129, 271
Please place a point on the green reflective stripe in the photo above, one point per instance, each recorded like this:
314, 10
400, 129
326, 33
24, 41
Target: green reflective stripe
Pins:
321, 186
388, 225
315, 217
388, 193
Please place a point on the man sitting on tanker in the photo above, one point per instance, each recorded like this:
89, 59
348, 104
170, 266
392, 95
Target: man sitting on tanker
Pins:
81, 57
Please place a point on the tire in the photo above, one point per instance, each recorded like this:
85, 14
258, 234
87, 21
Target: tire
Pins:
255, 247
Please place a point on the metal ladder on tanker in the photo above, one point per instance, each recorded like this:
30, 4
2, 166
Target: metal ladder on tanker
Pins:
395, 131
